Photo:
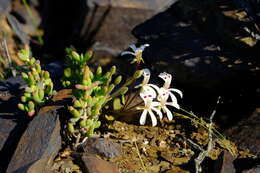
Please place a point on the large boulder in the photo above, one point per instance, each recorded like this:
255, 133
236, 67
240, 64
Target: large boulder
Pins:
12, 121
101, 25
38, 146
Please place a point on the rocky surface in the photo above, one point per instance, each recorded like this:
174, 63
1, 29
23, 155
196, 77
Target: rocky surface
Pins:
38, 146
94, 164
204, 54
103, 147
12, 121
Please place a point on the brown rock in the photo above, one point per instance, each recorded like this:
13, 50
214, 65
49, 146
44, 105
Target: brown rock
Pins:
102, 146
93, 164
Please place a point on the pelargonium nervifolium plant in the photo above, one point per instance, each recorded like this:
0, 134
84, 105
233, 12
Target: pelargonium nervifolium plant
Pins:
156, 98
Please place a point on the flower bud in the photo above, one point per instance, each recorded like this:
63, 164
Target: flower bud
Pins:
138, 74
21, 106
118, 80
99, 71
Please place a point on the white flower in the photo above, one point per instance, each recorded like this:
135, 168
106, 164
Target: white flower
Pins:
149, 107
162, 97
167, 82
145, 86
137, 52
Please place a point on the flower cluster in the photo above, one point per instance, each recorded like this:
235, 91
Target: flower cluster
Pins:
150, 92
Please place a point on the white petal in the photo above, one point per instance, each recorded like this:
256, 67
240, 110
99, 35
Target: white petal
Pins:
158, 112
177, 91
153, 118
174, 104
143, 117
127, 53
149, 90
154, 86
144, 46
168, 112
133, 47
174, 99
154, 104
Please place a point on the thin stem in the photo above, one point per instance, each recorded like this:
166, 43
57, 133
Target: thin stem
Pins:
139, 155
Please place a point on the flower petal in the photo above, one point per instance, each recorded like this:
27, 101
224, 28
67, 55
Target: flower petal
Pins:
168, 113
133, 47
144, 46
177, 91
154, 104
158, 112
143, 117
127, 53
174, 101
154, 86
153, 118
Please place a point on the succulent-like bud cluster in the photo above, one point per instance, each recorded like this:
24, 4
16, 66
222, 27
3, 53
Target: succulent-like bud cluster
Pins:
92, 92
39, 84
73, 74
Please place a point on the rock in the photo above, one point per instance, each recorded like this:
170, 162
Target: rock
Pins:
246, 134
199, 61
108, 24
5, 6
227, 164
102, 146
38, 146
12, 121
93, 164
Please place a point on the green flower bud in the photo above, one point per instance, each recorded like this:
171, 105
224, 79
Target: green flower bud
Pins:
24, 99
31, 106
30, 89
113, 70
38, 68
74, 112
41, 94
138, 74
31, 80
110, 88
25, 76
70, 127
77, 104
67, 72
118, 80
27, 94
32, 61
24, 54
99, 71
49, 90
83, 123
75, 55
107, 75
86, 82
36, 98
123, 90
46, 75
21, 106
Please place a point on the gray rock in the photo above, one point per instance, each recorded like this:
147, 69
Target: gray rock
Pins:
5, 6
246, 133
12, 121
108, 24
102, 146
38, 146
93, 164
